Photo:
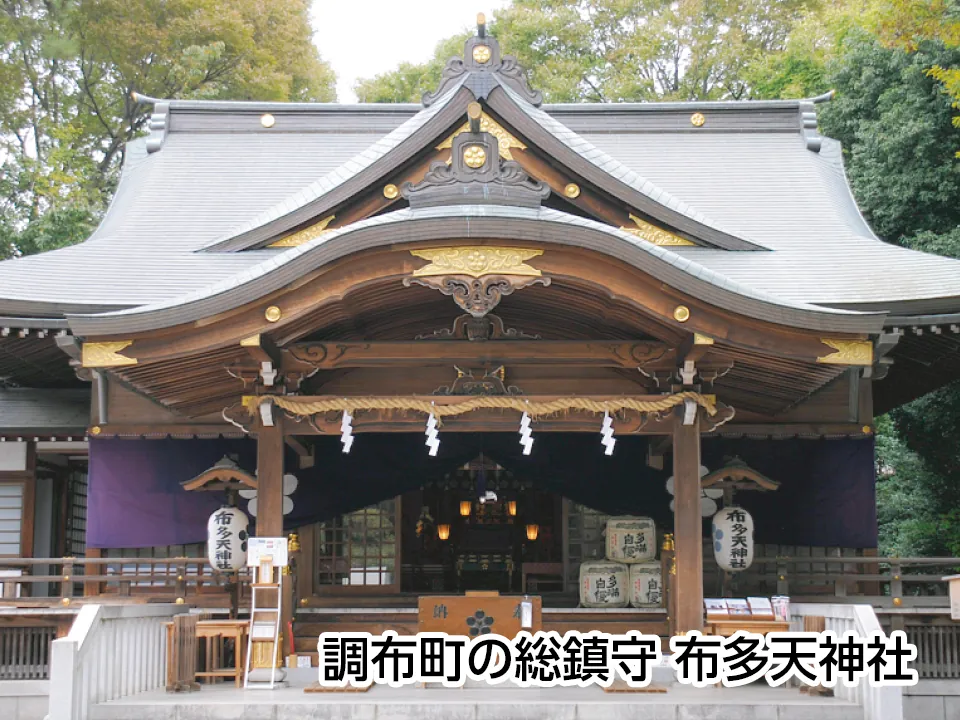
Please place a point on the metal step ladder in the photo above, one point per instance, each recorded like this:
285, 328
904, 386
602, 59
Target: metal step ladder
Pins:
265, 626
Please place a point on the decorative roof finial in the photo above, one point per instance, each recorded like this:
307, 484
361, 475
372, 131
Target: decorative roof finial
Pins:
474, 111
482, 68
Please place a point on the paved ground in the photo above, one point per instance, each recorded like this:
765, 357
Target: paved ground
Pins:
225, 702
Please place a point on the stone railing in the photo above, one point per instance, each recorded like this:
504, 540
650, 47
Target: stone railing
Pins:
878, 703
111, 652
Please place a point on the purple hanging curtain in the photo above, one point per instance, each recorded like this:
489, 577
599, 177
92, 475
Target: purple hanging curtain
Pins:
134, 495
826, 496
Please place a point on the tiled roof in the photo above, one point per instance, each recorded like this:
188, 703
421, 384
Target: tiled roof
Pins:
218, 172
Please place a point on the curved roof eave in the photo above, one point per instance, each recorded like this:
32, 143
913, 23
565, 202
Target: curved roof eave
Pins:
464, 222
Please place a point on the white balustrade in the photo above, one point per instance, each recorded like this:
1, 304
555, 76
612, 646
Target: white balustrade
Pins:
878, 703
111, 651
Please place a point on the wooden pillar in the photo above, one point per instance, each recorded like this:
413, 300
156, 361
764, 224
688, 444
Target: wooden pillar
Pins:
270, 480
688, 525
270, 450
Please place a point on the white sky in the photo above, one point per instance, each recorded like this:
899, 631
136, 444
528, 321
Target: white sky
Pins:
362, 38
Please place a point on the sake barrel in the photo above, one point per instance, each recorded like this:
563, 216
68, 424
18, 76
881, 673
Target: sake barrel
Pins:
733, 539
604, 584
646, 585
631, 539
227, 539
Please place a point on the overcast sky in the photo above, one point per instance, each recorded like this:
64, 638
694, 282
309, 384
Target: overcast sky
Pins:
361, 38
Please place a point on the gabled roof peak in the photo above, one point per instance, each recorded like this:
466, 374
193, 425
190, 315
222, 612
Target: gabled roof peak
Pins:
475, 173
483, 68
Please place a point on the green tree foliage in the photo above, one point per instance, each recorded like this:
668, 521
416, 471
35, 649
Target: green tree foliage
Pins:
909, 24
67, 70
410, 81
894, 118
894, 121
622, 50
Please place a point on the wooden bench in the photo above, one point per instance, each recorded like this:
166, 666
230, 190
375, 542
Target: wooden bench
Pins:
213, 632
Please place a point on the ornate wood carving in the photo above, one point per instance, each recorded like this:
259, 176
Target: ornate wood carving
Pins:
505, 141
239, 415
467, 327
709, 423
106, 354
492, 382
476, 261
477, 278
481, 69
847, 352
459, 351
477, 295
475, 173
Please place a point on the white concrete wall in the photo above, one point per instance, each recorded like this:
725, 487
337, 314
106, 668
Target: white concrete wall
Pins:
24, 699
932, 700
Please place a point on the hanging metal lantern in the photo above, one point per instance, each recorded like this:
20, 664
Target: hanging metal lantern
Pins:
533, 531
512, 508
465, 507
733, 539
443, 531
227, 539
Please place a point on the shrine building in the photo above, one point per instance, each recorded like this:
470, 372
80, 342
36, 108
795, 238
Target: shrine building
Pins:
440, 345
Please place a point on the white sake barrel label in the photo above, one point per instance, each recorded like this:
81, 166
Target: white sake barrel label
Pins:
733, 539
631, 539
604, 584
646, 585
227, 539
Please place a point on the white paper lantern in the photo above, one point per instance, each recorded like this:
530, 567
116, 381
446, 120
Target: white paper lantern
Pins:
733, 539
631, 539
604, 584
227, 539
646, 585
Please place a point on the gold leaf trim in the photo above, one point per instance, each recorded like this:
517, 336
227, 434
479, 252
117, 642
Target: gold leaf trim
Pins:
847, 352
301, 237
505, 141
699, 339
106, 354
653, 234
252, 341
477, 261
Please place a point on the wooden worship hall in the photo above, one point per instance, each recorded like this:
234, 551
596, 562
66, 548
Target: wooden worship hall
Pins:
472, 331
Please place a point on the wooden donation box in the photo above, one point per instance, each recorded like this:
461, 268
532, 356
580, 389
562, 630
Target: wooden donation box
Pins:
480, 614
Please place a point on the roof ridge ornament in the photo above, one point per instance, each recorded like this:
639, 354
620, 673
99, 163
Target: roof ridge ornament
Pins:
158, 124
476, 174
484, 67
809, 127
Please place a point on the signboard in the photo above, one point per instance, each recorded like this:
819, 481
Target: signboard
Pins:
264, 547
474, 616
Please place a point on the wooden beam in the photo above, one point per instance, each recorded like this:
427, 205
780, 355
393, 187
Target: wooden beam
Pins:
304, 453
262, 349
688, 524
333, 355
